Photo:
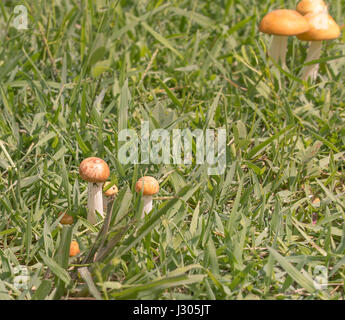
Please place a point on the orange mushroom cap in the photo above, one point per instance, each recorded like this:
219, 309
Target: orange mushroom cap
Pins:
150, 185
66, 219
94, 170
322, 27
112, 191
316, 200
283, 23
74, 248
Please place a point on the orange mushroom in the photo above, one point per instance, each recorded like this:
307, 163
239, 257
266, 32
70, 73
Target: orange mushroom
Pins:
74, 248
109, 194
95, 171
148, 186
322, 27
66, 219
282, 24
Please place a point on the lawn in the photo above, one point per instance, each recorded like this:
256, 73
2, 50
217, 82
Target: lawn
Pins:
267, 227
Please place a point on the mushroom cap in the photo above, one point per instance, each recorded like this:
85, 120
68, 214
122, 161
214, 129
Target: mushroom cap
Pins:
311, 6
66, 219
112, 191
322, 27
74, 248
150, 185
316, 200
283, 23
94, 170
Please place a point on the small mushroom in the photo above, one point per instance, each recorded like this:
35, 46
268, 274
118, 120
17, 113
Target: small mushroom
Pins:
95, 171
282, 24
322, 27
74, 248
316, 201
66, 218
311, 6
148, 186
109, 194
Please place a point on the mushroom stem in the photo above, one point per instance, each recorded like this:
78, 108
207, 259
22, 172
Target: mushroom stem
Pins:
95, 201
314, 53
278, 49
147, 204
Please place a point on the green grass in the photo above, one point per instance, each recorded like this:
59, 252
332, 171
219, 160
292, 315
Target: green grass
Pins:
86, 69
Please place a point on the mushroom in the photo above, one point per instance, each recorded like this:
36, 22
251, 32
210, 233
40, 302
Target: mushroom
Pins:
316, 201
109, 194
149, 186
322, 27
282, 23
95, 171
74, 248
66, 218
311, 6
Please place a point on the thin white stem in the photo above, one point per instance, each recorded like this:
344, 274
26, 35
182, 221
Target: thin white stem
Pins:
278, 49
147, 205
314, 53
95, 201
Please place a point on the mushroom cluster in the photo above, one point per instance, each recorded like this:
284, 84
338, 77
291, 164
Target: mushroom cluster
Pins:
309, 22
100, 195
